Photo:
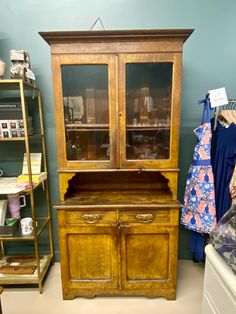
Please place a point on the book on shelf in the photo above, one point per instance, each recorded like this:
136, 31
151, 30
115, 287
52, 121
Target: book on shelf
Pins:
36, 178
36, 163
10, 108
7, 105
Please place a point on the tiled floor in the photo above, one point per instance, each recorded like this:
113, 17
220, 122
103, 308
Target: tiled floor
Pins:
29, 301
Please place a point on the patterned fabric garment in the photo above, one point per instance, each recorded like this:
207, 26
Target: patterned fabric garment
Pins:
232, 187
198, 212
223, 237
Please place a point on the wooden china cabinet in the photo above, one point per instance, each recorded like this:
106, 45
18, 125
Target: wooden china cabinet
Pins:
117, 105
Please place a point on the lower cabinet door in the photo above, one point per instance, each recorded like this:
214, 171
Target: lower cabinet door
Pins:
148, 257
88, 260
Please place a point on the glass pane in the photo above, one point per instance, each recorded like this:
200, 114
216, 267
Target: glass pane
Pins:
86, 111
148, 110
147, 144
87, 145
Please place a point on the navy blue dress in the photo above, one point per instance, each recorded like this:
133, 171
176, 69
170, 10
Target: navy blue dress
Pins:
223, 163
223, 159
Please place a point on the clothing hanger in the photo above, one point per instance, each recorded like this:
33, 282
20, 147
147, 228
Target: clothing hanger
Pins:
227, 113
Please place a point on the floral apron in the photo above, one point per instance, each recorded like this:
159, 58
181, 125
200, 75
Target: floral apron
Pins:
199, 212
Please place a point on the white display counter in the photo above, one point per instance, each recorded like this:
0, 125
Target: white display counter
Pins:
219, 291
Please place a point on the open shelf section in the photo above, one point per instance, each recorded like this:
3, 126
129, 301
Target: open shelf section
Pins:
17, 236
13, 139
23, 136
10, 185
12, 279
13, 85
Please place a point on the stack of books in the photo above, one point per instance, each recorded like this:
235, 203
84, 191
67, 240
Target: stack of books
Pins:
36, 162
36, 178
37, 175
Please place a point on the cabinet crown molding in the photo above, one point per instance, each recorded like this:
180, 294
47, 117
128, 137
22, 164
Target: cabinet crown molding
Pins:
55, 37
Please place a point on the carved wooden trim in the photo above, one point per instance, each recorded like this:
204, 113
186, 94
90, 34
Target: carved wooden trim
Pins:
64, 183
172, 178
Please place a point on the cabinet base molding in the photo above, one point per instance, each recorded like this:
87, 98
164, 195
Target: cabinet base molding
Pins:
169, 294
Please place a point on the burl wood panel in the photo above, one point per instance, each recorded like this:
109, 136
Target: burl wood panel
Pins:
147, 256
92, 252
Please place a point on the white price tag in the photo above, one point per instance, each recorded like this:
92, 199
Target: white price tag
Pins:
218, 97
17, 55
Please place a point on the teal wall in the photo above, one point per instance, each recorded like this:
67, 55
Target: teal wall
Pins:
208, 62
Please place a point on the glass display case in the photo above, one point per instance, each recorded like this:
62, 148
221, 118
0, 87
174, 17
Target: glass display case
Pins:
116, 112
148, 89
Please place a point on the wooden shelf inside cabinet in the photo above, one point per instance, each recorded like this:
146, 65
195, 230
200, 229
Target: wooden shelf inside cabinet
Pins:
128, 198
41, 223
86, 127
151, 127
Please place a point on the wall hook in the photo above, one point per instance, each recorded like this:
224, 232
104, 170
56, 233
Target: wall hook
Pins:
98, 19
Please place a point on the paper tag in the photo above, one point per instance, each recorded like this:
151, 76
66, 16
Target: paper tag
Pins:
218, 97
17, 55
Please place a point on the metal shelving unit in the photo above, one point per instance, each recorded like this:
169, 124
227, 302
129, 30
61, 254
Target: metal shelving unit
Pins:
19, 88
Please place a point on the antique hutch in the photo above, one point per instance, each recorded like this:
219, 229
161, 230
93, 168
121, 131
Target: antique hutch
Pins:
117, 107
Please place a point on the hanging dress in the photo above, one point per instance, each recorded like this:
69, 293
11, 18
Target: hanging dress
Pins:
223, 164
199, 213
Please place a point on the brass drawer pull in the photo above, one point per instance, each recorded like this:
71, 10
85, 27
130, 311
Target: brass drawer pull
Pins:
91, 218
145, 218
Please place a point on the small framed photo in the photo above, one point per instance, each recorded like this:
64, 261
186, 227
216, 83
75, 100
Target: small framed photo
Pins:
6, 134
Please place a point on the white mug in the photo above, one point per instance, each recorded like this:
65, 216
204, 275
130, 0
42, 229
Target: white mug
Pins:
1, 172
26, 226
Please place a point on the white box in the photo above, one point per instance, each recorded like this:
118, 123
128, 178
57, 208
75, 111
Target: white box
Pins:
3, 209
219, 291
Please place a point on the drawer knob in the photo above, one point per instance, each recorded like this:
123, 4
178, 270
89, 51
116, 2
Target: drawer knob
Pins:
91, 218
145, 218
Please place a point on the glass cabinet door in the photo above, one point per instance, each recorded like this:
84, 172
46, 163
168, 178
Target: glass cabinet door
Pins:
86, 111
87, 98
147, 105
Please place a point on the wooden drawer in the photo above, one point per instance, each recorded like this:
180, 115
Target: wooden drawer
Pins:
146, 216
73, 217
